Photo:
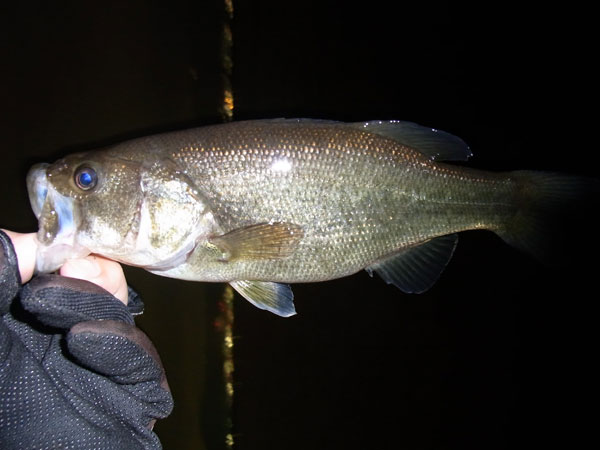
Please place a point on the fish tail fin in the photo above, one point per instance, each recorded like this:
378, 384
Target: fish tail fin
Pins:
552, 213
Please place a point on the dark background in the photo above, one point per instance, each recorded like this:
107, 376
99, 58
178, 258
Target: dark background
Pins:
499, 354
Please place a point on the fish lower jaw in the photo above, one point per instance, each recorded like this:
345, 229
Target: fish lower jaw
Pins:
50, 258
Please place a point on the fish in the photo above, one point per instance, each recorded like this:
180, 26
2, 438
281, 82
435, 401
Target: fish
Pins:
262, 204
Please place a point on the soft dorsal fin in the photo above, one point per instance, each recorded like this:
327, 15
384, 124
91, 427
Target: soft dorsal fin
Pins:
416, 269
436, 144
275, 297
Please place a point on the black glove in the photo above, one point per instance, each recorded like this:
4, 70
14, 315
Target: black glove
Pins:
75, 372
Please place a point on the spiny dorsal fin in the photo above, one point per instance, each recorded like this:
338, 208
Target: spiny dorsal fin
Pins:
275, 297
415, 270
436, 144
261, 241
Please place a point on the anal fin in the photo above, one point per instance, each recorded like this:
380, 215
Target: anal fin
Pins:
274, 297
416, 269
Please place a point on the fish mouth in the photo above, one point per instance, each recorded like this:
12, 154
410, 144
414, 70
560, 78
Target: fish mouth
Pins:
37, 187
56, 225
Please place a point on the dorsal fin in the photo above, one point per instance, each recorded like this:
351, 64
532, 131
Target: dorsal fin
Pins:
416, 269
436, 144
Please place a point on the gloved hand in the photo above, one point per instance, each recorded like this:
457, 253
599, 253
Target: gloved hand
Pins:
75, 372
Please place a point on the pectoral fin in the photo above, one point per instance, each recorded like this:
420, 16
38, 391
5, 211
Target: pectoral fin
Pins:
415, 270
261, 241
275, 297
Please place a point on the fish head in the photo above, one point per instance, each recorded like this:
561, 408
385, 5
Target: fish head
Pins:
143, 213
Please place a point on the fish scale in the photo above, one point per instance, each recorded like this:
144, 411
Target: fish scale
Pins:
344, 190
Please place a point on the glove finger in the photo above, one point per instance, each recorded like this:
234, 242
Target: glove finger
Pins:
124, 355
135, 305
10, 280
117, 350
62, 302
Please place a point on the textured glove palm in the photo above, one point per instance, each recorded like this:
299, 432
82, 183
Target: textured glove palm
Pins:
75, 372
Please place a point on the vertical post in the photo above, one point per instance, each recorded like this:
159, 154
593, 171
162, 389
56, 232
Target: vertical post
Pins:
226, 318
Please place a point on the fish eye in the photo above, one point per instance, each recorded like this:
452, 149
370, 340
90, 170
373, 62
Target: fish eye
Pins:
86, 178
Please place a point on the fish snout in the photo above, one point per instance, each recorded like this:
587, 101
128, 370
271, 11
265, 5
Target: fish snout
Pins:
37, 187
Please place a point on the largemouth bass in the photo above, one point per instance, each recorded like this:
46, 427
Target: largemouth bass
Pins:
260, 204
